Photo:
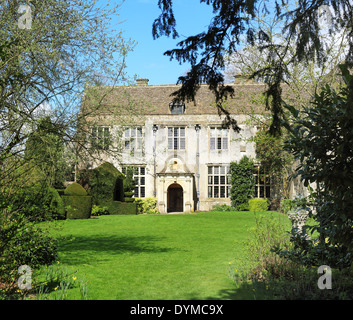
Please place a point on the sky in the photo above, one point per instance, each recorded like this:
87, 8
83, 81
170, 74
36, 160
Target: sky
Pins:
147, 59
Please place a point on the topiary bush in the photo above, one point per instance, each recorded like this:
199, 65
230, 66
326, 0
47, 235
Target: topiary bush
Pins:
75, 189
104, 184
78, 204
259, 204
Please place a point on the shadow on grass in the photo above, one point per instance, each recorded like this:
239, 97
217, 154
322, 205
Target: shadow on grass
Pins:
80, 249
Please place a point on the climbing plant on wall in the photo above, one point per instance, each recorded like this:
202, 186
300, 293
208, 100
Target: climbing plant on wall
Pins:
242, 183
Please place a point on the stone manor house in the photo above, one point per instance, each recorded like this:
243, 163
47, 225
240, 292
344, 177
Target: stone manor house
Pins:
179, 151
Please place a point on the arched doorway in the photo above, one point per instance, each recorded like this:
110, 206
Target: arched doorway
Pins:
175, 201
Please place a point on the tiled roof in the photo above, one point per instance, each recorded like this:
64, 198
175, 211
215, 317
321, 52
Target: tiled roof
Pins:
155, 99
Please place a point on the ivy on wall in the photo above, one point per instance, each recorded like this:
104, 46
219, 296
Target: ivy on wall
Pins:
242, 181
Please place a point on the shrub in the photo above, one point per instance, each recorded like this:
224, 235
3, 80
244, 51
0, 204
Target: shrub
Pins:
287, 205
99, 211
259, 204
104, 184
78, 204
242, 181
22, 243
75, 189
147, 205
123, 208
38, 203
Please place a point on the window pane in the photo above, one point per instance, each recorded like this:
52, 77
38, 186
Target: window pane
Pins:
176, 132
225, 143
142, 192
142, 171
182, 143
170, 143
223, 192
175, 143
136, 192
139, 143
216, 192
216, 179
127, 144
212, 131
210, 170
210, 192
222, 170
182, 132
212, 143
223, 179
170, 132
139, 132
209, 179
219, 132
216, 170
142, 181
219, 143
127, 133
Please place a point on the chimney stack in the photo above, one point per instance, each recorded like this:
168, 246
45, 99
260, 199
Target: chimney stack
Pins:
142, 82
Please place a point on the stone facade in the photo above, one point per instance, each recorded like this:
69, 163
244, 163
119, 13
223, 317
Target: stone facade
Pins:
181, 152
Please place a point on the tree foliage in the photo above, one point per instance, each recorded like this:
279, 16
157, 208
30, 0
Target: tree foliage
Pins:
321, 138
231, 26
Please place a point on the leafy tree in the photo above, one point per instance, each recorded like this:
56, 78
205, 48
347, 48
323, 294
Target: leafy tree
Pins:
232, 26
45, 146
69, 45
321, 138
45, 63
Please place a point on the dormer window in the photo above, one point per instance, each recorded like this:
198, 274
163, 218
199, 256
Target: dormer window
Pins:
177, 107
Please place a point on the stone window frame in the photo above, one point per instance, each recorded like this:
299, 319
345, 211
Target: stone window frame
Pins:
139, 175
218, 138
177, 107
133, 141
263, 183
176, 140
218, 181
100, 137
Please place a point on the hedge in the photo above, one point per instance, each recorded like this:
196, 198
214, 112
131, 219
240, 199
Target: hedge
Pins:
123, 208
104, 184
78, 204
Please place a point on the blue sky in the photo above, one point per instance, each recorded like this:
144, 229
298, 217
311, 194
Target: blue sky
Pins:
147, 59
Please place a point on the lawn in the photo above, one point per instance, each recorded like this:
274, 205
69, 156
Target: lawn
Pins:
156, 257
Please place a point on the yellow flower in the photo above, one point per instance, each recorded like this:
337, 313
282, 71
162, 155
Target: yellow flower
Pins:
74, 278
58, 262
230, 263
55, 288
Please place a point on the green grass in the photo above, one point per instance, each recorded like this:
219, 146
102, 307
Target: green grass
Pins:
156, 257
